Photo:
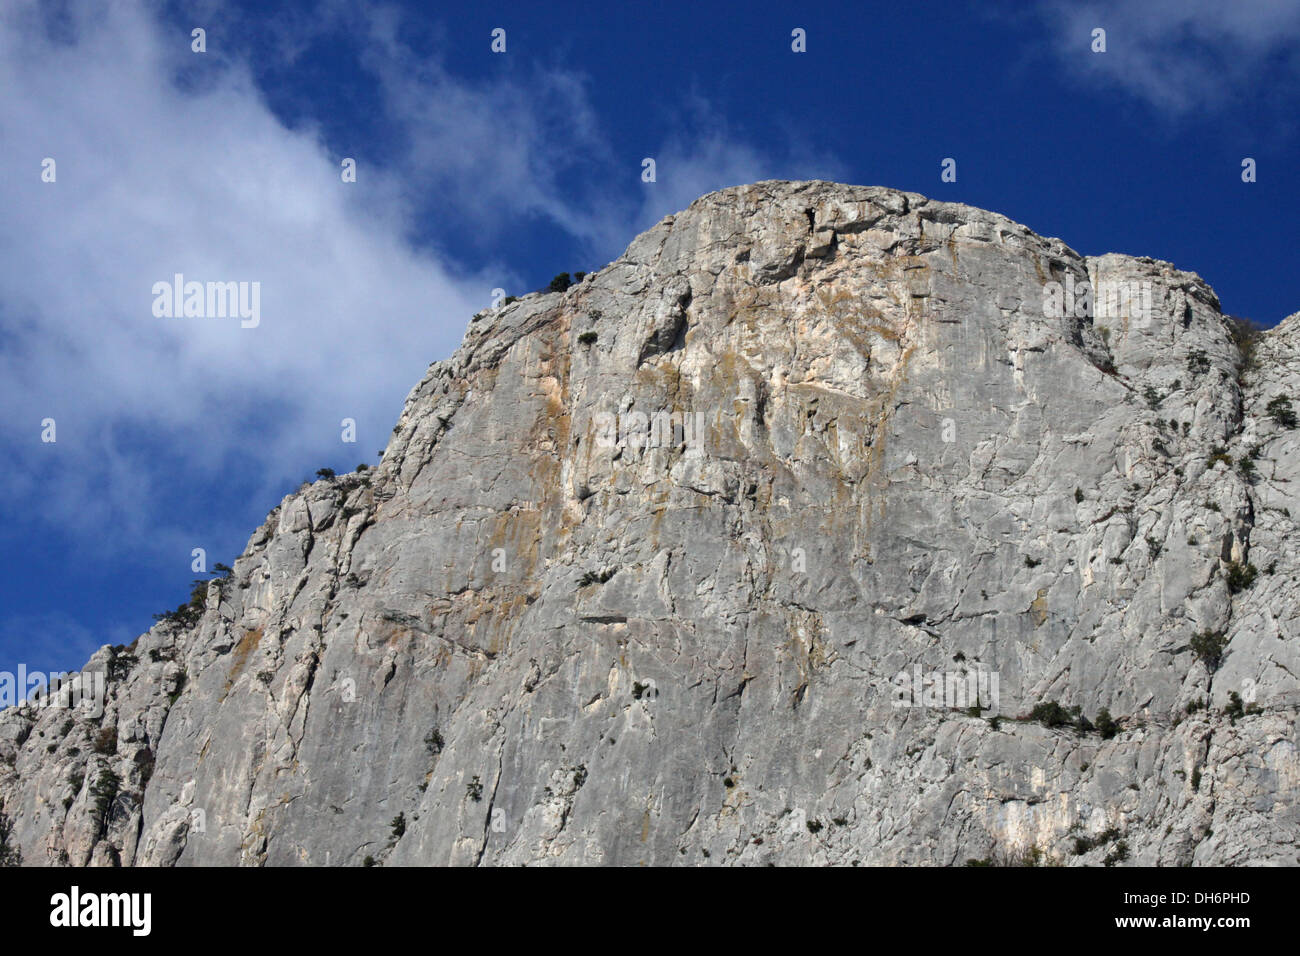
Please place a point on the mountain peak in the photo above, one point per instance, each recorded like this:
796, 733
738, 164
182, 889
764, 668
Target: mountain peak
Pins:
826, 524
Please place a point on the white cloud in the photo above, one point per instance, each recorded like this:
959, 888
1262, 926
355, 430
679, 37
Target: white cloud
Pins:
205, 180
493, 150
1180, 55
153, 181
705, 154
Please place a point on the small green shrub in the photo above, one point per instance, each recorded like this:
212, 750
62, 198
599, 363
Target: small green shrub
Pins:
120, 665
1050, 714
1279, 409
1085, 843
1030, 856
1240, 576
1106, 725
1118, 854
103, 793
1209, 647
592, 577
587, 338
9, 855
1236, 708
1245, 333
105, 742
181, 678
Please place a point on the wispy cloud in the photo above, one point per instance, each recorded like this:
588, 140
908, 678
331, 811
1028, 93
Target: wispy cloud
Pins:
1180, 56
165, 169
45, 638
524, 138
491, 150
153, 181
704, 154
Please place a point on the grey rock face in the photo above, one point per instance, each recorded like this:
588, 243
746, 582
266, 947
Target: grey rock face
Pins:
676, 594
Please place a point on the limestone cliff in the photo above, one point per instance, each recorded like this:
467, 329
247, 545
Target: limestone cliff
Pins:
653, 569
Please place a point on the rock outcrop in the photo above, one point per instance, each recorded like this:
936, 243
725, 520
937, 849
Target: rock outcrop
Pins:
661, 569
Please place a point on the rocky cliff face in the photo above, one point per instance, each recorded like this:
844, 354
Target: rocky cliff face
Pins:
665, 569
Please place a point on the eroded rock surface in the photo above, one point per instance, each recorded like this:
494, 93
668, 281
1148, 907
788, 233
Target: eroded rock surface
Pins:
532, 647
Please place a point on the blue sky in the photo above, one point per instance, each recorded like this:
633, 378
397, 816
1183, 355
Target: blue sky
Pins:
478, 170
